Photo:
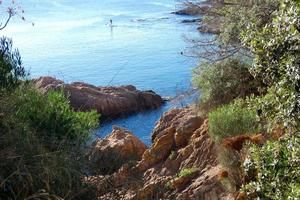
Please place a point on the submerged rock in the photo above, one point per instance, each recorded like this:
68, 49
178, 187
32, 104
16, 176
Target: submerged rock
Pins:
186, 21
108, 101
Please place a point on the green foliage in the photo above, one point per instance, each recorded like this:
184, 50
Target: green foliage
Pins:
277, 166
169, 185
236, 15
271, 109
41, 146
11, 68
52, 116
187, 172
231, 120
268, 31
276, 58
221, 82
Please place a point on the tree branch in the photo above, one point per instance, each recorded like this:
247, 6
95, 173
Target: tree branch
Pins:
5, 24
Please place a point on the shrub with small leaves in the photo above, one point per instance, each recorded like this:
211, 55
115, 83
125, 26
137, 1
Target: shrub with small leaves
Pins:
277, 167
187, 172
221, 82
277, 59
231, 120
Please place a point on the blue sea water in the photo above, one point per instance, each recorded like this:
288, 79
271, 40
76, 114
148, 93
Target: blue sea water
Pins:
71, 40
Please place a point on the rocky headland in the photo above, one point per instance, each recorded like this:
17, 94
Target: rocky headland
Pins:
211, 25
110, 102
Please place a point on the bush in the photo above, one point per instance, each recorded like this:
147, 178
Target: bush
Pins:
187, 172
273, 113
52, 116
277, 167
231, 120
221, 82
41, 146
11, 68
276, 58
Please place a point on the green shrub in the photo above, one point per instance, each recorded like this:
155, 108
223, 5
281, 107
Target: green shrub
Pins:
221, 82
276, 58
52, 116
169, 185
11, 68
187, 172
41, 146
273, 110
277, 166
231, 120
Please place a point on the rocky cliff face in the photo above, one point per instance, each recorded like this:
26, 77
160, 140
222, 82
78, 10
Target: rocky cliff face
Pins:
181, 164
109, 101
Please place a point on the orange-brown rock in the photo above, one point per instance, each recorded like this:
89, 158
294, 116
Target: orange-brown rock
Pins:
187, 145
237, 142
173, 129
180, 141
109, 101
119, 141
241, 196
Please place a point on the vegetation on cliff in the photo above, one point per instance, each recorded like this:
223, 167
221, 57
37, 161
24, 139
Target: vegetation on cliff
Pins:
263, 36
41, 137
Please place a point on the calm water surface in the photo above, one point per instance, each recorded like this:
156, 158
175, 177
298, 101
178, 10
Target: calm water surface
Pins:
71, 40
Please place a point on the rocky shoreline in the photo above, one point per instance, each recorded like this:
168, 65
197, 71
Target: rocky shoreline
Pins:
132, 171
211, 26
180, 143
110, 102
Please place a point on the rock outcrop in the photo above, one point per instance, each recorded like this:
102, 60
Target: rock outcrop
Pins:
109, 101
181, 164
211, 26
193, 10
109, 154
119, 141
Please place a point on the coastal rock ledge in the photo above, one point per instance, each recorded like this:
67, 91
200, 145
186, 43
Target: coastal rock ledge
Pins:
108, 101
181, 163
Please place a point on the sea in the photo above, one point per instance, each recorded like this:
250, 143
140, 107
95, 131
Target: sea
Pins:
146, 46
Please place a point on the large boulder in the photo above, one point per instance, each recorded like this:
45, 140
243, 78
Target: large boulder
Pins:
120, 147
121, 141
109, 101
